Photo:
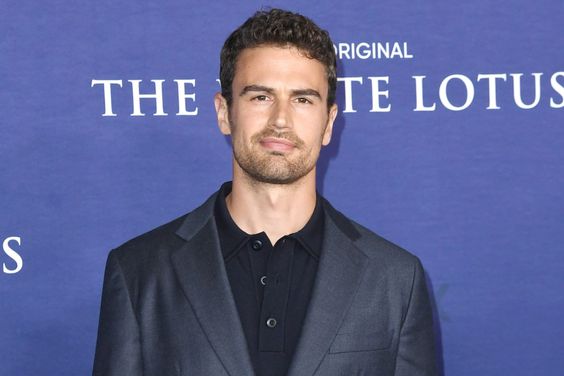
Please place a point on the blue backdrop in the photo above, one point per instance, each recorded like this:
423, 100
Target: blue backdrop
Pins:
450, 143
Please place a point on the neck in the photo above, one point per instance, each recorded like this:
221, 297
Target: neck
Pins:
276, 209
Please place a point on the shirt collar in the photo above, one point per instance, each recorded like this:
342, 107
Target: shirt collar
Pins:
232, 237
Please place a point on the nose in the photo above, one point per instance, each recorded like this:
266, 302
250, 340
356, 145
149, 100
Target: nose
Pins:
281, 116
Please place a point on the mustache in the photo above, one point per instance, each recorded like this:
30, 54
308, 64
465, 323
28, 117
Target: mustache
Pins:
267, 132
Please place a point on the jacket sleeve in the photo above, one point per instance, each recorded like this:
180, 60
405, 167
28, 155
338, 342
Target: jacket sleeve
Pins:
416, 349
118, 348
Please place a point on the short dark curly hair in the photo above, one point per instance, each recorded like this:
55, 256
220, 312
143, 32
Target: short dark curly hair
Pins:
278, 27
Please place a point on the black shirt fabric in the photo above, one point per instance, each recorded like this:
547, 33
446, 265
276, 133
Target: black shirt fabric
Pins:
271, 284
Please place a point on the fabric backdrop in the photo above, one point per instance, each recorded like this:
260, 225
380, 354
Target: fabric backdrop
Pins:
449, 142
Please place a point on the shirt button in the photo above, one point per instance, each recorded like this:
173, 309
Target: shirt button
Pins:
257, 245
271, 323
263, 280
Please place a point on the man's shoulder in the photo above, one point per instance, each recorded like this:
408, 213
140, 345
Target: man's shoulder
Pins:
373, 245
166, 237
155, 238
376, 246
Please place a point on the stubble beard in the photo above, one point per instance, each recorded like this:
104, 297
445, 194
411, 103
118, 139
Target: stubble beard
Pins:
274, 167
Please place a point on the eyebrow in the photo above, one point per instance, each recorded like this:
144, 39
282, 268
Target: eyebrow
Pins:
269, 90
308, 92
251, 88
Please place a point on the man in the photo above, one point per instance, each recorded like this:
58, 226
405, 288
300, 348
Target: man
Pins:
266, 277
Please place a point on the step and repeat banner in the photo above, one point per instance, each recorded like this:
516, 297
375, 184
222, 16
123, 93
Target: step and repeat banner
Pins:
449, 142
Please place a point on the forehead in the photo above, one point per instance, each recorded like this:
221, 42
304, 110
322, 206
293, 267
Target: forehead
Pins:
279, 67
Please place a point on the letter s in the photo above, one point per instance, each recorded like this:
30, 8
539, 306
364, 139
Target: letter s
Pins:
558, 88
12, 254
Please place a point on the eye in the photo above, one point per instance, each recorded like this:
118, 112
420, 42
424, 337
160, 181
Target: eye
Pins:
303, 100
260, 98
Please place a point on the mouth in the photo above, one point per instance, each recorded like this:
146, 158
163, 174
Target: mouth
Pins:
277, 144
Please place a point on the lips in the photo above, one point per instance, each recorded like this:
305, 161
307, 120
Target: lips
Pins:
278, 144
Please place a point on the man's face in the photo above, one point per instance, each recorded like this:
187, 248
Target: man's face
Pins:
278, 118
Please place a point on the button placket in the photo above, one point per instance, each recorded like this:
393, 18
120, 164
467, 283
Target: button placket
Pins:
259, 252
273, 312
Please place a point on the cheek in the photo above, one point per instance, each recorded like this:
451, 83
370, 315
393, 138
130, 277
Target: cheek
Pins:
248, 122
240, 127
316, 125
241, 139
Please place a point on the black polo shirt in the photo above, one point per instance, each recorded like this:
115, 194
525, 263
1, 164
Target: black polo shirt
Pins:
271, 284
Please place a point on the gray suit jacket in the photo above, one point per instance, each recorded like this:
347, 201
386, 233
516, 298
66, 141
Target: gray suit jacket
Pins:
167, 307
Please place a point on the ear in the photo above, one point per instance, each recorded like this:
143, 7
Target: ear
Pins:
222, 114
329, 128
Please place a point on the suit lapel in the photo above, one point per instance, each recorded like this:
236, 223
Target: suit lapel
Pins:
340, 270
201, 272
